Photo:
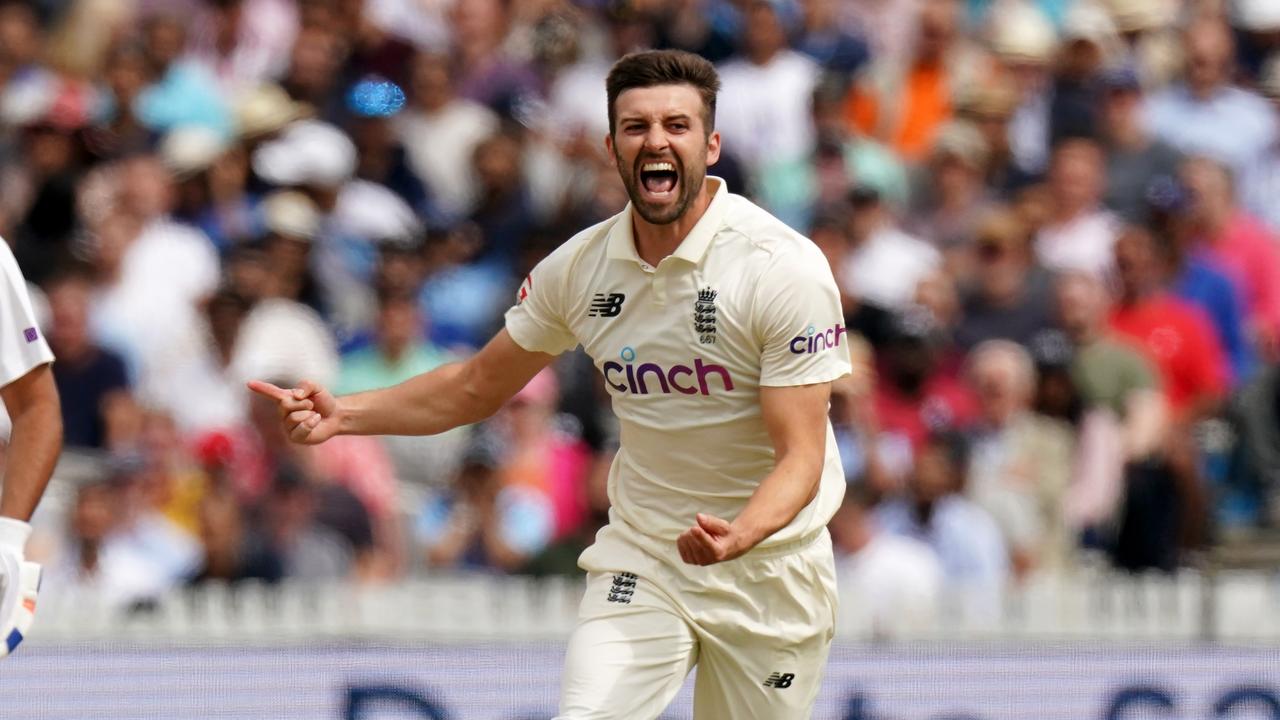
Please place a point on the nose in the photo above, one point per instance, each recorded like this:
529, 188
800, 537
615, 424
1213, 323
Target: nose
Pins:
656, 138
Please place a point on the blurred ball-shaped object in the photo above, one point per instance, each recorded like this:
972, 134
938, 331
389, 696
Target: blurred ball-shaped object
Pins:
1020, 33
189, 150
291, 214
375, 97
266, 109
308, 152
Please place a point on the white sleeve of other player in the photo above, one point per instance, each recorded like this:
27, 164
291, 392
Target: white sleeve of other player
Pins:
22, 346
799, 322
537, 321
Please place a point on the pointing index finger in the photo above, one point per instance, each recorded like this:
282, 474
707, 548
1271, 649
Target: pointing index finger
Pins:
266, 389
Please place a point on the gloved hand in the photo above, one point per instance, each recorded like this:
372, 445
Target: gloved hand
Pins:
19, 584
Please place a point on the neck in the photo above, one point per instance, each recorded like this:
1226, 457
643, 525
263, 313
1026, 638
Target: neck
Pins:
655, 242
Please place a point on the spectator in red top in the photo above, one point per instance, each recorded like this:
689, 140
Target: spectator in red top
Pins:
1239, 244
917, 394
1175, 335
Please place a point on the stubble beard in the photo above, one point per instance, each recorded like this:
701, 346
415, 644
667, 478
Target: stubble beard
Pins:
690, 186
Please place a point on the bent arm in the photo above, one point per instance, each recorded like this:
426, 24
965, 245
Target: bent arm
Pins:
32, 402
796, 419
456, 394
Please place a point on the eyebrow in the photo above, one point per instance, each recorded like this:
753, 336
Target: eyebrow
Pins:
665, 118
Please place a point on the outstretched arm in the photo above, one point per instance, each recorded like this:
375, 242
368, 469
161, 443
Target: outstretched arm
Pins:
451, 395
796, 418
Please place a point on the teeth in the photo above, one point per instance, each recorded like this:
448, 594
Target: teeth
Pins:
658, 167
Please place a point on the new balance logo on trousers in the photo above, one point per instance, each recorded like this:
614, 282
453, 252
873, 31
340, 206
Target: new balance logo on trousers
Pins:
781, 681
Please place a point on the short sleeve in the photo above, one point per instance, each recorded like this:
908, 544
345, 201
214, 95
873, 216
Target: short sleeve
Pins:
22, 345
800, 322
537, 321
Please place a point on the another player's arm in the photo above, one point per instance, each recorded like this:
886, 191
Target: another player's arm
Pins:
796, 419
36, 440
433, 402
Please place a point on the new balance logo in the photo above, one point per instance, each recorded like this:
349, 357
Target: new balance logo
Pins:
609, 305
624, 586
781, 681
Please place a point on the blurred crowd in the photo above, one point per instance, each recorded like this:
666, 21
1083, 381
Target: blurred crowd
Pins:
1055, 225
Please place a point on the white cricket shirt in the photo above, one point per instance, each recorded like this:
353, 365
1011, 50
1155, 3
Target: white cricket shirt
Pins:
684, 348
22, 345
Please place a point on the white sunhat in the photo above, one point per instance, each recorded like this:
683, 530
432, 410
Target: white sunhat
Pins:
191, 149
308, 152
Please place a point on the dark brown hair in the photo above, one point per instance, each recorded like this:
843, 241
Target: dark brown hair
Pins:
664, 67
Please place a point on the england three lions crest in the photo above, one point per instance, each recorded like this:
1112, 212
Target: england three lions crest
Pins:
704, 316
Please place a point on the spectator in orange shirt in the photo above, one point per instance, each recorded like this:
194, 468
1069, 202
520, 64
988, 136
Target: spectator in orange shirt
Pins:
903, 104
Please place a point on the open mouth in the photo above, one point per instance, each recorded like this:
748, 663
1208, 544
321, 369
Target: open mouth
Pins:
659, 179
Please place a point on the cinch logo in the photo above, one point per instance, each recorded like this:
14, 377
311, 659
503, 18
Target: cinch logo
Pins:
813, 341
637, 379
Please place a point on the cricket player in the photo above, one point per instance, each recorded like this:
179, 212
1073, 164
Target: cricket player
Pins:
31, 399
717, 331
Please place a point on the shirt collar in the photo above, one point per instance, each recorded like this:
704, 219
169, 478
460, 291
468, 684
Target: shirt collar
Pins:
622, 244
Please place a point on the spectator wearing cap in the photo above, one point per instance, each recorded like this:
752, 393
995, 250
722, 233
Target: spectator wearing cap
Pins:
1020, 462
291, 224
1135, 159
211, 177
440, 132
1260, 182
989, 106
974, 557
1240, 245
886, 264
1080, 232
1206, 114
1011, 297
902, 101
1150, 41
951, 196
1024, 43
1089, 44
763, 110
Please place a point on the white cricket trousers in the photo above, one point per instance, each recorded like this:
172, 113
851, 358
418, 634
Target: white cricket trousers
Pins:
758, 628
